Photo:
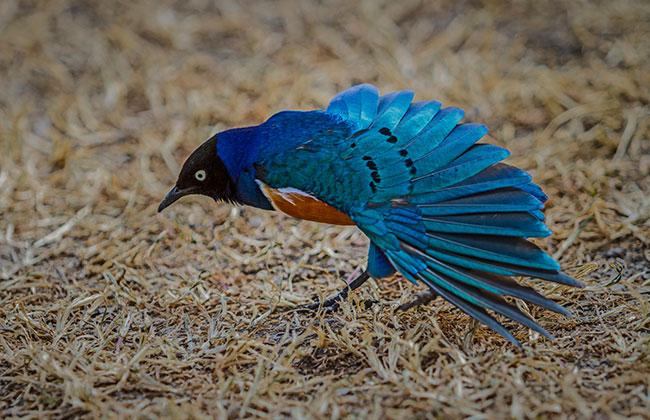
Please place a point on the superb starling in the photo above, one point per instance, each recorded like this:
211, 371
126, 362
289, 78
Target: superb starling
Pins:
438, 208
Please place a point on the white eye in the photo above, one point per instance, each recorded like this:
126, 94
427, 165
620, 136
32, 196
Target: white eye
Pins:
200, 175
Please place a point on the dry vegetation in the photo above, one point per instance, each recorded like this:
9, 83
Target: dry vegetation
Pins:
110, 310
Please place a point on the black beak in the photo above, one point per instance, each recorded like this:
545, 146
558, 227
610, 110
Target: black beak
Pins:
172, 196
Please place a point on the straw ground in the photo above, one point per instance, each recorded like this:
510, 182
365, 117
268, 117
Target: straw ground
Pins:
110, 310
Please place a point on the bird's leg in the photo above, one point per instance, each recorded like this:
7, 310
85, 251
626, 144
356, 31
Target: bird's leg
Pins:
333, 302
420, 299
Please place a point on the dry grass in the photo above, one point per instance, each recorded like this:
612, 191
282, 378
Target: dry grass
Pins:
110, 310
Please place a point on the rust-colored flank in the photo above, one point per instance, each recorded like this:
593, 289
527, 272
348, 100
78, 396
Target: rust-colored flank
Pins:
302, 205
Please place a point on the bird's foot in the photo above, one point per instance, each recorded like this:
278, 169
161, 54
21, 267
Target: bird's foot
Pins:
333, 303
419, 299
328, 305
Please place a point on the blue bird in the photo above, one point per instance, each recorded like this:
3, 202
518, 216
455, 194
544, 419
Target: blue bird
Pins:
438, 208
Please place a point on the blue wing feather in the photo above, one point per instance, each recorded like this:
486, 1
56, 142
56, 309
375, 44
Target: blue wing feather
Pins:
392, 108
491, 178
509, 224
357, 105
501, 200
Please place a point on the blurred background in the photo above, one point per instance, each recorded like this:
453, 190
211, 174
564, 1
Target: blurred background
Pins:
100, 102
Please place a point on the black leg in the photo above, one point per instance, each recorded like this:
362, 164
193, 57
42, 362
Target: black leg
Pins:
419, 299
333, 302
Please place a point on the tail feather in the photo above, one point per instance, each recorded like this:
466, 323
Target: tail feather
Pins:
461, 299
483, 299
502, 268
468, 268
490, 282
470, 309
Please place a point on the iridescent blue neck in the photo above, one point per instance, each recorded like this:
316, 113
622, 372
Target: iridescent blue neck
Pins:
240, 148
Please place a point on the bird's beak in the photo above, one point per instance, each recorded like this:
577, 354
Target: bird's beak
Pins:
172, 196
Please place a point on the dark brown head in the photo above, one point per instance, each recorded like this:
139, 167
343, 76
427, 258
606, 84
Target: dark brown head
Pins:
202, 173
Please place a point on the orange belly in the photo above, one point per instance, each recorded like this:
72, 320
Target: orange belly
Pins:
302, 205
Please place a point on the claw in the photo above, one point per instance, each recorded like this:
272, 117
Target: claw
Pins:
331, 305
367, 303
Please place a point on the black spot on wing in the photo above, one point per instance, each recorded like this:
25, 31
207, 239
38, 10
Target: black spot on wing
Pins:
373, 187
392, 139
408, 163
375, 176
385, 131
366, 158
403, 152
372, 165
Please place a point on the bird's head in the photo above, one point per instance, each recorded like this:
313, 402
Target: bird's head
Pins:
202, 173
